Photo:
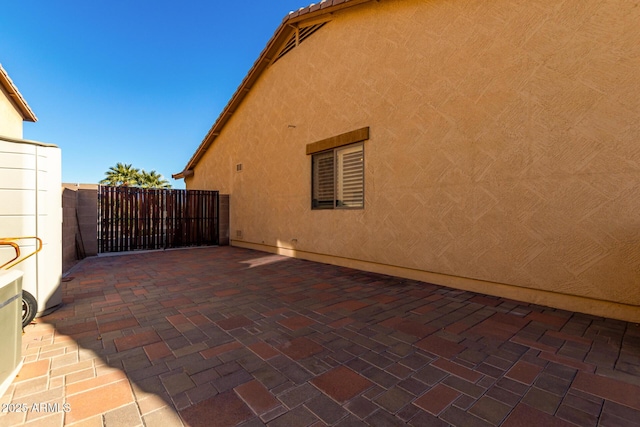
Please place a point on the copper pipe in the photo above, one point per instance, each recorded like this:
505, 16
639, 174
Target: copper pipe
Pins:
10, 241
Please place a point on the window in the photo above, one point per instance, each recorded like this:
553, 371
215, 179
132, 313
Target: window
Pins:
338, 178
337, 170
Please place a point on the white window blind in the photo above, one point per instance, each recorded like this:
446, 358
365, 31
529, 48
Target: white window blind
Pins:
350, 179
338, 178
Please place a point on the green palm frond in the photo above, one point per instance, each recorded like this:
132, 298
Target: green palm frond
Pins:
152, 180
121, 175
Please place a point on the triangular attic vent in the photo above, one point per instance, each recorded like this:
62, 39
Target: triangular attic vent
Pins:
298, 37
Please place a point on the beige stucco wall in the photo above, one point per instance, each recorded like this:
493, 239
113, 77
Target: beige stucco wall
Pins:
503, 157
10, 118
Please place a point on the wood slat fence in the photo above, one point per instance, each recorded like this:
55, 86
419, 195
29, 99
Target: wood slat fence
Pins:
131, 218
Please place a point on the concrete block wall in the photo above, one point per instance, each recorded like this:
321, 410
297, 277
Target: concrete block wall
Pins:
79, 223
69, 228
223, 218
88, 219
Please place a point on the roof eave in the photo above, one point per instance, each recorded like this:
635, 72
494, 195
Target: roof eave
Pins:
181, 175
283, 31
16, 97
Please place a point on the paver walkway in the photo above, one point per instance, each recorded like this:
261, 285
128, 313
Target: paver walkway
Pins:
227, 336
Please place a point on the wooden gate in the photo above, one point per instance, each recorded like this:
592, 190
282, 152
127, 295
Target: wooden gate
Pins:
131, 218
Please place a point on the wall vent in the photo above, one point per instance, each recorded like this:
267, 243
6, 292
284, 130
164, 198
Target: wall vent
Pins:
298, 37
239, 167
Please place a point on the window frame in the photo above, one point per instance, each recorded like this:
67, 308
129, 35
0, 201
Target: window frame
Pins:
336, 202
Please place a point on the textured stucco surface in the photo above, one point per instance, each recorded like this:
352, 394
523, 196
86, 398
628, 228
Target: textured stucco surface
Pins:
503, 143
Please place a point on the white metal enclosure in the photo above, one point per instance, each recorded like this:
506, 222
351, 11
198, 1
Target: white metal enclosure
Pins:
10, 327
31, 205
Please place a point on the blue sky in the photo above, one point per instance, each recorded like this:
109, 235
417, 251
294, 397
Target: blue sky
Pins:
137, 82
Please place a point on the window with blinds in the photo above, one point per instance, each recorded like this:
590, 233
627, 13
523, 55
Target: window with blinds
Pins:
338, 178
323, 181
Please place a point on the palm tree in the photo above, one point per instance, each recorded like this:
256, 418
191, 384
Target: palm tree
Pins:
152, 180
121, 175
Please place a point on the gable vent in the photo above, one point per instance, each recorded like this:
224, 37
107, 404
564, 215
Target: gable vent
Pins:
298, 37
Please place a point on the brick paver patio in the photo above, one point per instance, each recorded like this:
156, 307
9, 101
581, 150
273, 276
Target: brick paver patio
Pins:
227, 336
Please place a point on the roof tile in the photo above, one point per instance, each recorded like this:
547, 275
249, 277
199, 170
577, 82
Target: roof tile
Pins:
326, 3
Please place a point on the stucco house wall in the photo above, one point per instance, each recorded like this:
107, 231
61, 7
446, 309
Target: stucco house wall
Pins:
503, 154
10, 118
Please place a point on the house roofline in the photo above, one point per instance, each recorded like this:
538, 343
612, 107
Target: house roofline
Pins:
267, 56
16, 97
